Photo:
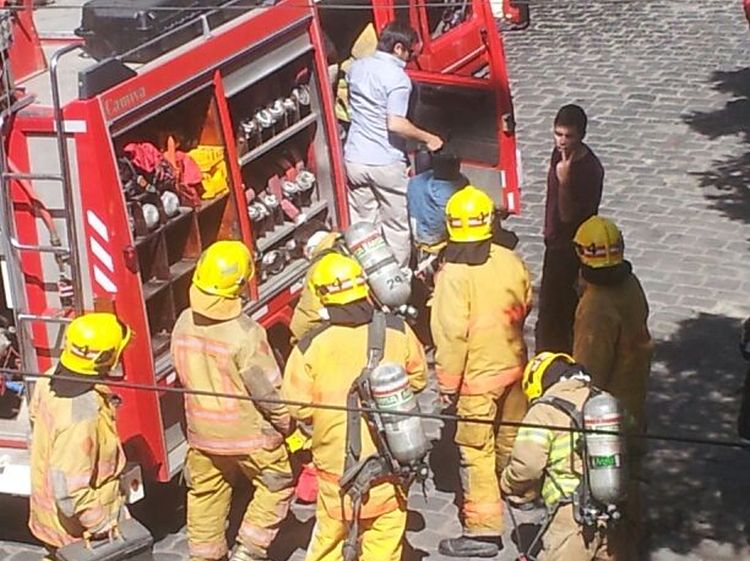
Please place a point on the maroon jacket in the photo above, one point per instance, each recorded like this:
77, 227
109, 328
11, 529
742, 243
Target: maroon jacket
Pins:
587, 178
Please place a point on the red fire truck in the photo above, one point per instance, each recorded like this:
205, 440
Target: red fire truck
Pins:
119, 167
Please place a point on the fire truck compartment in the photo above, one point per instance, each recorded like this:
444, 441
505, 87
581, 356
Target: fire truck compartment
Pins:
465, 117
276, 129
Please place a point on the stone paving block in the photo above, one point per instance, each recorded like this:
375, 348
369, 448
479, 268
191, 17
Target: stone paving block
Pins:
706, 304
164, 556
25, 555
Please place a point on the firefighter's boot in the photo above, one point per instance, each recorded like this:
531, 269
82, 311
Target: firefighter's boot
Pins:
244, 553
467, 546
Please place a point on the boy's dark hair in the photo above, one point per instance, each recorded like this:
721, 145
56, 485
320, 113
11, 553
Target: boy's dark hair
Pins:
446, 165
572, 115
394, 33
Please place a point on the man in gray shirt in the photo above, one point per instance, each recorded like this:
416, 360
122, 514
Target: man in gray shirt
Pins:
375, 149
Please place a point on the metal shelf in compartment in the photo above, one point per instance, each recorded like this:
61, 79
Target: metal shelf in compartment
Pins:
153, 287
277, 139
275, 284
181, 268
280, 232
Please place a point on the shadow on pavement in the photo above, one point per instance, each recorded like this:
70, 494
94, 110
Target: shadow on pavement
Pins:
151, 512
293, 535
414, 523
14, 518
444, 459
727, 184
696, 492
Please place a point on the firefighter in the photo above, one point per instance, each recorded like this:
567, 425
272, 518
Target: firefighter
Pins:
321, 369
316, 240
612, 341
76, 454
549, 458
611, 337
482, 296
217, 348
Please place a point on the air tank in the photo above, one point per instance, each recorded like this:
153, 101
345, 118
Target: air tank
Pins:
388, 282
605, 452
405, 434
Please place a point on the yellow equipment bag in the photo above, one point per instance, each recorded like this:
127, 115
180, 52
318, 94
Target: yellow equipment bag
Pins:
210, 160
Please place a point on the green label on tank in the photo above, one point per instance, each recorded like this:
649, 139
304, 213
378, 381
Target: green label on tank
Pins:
396, 400
600, 462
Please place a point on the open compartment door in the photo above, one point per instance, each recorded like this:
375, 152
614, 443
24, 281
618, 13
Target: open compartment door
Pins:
461, 89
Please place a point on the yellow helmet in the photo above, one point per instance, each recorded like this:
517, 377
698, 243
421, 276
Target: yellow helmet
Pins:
94, 343
224, 268
469, 215
338, 279
533, 374
599, 243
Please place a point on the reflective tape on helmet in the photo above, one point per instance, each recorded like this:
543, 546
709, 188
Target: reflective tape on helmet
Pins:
341, 286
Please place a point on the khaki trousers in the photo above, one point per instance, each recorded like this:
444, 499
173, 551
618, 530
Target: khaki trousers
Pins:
377, 194
485, 451
210, 477
567, 540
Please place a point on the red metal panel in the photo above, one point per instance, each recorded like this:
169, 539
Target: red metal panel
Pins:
234, 170
455, 49
448, 59
507, 138
26, 232
26, 55
330, 126
106, 226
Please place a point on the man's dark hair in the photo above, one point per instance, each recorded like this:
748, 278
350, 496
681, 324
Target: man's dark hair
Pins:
305, 231
572, 115
394, 33
446, 165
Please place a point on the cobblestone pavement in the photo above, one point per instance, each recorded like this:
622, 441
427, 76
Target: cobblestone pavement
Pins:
667, 88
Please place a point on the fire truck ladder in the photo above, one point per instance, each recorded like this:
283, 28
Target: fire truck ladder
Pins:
65, 254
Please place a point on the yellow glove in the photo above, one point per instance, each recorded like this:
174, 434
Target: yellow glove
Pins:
297, 441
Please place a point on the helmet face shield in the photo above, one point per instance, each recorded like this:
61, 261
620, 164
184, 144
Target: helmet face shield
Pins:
127, 335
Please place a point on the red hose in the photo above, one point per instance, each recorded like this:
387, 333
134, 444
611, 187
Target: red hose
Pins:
40, 209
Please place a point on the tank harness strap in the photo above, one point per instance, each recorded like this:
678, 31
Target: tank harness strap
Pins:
360, 476
576, 417
375, 351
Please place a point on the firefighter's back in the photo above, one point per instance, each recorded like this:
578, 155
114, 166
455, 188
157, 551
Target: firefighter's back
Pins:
209, 356
335, 356
498, 293
75, 456
616, 315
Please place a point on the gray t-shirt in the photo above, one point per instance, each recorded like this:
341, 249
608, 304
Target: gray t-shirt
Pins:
378, 87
